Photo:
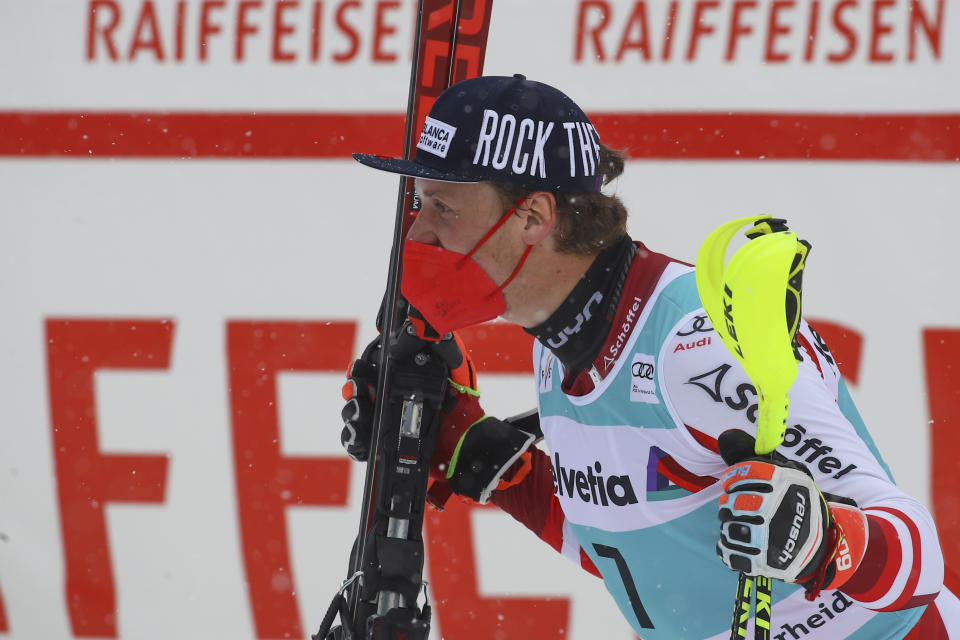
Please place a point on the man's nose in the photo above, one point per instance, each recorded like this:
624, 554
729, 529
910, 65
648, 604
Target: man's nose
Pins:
422, 231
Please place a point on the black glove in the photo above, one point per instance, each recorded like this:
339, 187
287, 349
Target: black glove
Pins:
360, 392
474, 453
360, 389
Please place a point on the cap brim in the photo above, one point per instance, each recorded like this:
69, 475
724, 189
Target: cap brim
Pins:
408, 168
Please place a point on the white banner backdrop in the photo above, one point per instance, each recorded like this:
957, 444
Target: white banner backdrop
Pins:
200, 254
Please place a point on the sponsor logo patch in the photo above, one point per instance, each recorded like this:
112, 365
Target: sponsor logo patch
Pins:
563, 335
624, 332
829, 608
693, 344
546, 372
813, 451
643, 386
590, 485
699, 324
436, 137
743, 397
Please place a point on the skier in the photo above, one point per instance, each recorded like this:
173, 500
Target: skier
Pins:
647, 418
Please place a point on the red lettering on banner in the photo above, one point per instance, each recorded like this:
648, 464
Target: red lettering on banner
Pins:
453, 573
316, 23
148, 19
244, 28
115, 35
700, 27
919, 20
95, 28
776, 29
879, 30
848, 22
736, 28
268, 482
382, 30
668, 28
495, 348
282, 29
181, 19
86, 478
890, 30
641, 43
206, 28
348, 31
942, 354
848, 33
812, 30
845, 344
597, 7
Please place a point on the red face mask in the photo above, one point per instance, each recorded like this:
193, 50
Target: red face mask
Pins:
450, 289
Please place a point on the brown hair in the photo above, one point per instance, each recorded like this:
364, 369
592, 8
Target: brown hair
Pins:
586, 222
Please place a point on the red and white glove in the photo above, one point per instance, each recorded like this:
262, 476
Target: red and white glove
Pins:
775, 522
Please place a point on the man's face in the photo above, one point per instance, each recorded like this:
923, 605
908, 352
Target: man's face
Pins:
456, 216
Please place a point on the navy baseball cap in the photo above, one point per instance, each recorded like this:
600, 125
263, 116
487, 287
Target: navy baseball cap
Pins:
504, 129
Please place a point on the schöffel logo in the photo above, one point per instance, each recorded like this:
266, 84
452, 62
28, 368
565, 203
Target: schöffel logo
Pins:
590, 486
643, 385
436, 137
813, 451
625, 328
739, 400
810, 450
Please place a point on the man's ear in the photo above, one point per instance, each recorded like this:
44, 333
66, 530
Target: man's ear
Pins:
538, 211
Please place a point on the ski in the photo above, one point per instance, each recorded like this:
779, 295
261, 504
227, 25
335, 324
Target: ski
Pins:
378, 599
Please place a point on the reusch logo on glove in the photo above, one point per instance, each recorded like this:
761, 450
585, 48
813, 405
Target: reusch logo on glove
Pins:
792, 518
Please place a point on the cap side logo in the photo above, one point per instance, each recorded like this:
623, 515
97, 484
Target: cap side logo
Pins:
436, 137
